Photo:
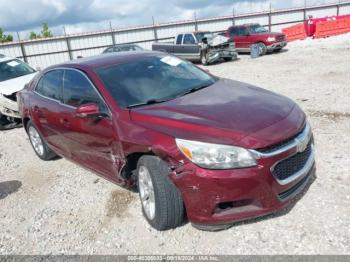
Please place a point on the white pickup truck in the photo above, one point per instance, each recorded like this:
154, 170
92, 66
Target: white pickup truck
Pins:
199, 46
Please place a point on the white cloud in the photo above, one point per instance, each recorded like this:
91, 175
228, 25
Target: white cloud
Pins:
91, 15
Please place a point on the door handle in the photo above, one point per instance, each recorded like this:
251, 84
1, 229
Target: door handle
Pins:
65, 122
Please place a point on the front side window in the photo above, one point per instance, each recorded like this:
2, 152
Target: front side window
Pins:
161, 77
77, 90
189, 40
14, 68
50, 85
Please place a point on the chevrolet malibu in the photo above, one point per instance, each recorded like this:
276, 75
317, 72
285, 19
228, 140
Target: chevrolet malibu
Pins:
213, 149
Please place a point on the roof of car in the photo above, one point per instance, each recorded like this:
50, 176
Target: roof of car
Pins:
104, 60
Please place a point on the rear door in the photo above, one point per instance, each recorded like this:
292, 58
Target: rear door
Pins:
91, 140
46, 108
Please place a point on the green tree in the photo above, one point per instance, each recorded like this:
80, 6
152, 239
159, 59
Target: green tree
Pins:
33, 35
5, 38
45, 31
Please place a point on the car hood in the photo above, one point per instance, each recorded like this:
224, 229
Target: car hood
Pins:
14, 85
228, 112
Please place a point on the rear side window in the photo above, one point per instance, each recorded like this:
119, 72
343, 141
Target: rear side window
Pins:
50, 85
179, 39
77, 90
242, 31
233, 31
189, 40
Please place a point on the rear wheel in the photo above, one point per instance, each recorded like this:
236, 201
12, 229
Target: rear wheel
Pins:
38, 144
262, 49
161, 201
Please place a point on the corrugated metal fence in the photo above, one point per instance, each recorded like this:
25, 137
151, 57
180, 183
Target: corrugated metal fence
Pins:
46, 52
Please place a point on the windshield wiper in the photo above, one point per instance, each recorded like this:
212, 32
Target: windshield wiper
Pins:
148, 102
194, 89
158, 101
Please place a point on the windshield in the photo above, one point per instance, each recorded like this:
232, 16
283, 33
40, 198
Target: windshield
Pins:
257, 29
201, 35
14, 68
152, 78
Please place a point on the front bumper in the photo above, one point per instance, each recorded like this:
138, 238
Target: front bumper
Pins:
9, 107
216, 54
221, 197
277, 45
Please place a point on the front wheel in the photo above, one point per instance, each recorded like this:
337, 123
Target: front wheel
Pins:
161, 201
262, 49
38, 144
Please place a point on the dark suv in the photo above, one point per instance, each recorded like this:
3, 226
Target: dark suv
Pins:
220, 149
246, 35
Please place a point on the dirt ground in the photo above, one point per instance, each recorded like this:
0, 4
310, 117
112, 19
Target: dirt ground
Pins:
57, 207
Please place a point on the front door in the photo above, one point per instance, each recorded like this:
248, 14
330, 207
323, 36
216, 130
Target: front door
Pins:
91, 139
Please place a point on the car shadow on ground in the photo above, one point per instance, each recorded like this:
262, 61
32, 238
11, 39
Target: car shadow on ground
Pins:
9, 187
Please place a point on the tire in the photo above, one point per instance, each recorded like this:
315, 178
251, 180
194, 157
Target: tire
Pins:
40, 147
167, 209
228, 59
204, 59
262, 49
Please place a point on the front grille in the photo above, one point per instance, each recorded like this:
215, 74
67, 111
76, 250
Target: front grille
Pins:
292, 165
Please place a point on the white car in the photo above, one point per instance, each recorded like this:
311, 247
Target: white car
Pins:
14, 75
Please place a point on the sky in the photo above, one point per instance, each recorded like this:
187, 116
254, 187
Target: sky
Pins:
78, 16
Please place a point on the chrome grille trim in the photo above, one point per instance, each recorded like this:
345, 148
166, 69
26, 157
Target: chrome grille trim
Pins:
297, 143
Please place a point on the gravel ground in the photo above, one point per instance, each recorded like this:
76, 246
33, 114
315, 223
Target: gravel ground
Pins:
57, 207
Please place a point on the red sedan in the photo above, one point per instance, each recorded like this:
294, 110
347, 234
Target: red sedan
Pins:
216, 149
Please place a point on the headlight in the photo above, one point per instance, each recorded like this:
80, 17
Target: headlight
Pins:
271, 39
212, 156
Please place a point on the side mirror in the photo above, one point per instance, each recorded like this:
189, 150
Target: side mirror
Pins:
88, 110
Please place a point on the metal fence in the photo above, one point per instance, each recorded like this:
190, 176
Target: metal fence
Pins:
46, 52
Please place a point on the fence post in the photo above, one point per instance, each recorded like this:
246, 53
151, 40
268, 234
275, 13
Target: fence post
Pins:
270, 18
338, 8
155, 30
195, 22
69, 48
112, 33
233, 17
23, 51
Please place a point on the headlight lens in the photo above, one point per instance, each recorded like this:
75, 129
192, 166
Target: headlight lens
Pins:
271, 39
213, 156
